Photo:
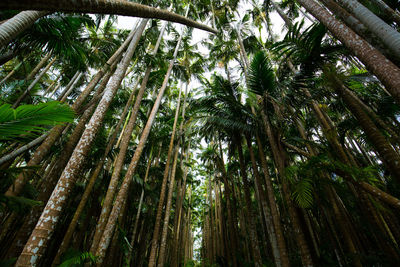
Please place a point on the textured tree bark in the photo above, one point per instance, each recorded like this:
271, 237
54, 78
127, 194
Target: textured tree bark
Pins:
389, 36
38, 241
386, 71
122, 194
394, 15
17, 24
115, 7
360, 29
85, 197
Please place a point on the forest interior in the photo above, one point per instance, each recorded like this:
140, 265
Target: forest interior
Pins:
200, 133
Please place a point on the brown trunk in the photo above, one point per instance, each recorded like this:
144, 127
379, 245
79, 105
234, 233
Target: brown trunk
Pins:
279, 158
249, 212
390, 158
386, 71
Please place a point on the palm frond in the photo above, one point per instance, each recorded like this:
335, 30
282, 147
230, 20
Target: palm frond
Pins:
32, 119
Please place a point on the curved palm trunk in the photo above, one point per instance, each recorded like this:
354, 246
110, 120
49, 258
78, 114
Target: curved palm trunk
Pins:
112, 7
389, 36
123, 192
17, 24
38, 241
385, 70
360, 29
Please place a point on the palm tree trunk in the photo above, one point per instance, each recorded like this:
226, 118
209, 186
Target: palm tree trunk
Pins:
66, 93
389, 36
388, 155
360, 29
85, 197
164, 233
266, 211
281, 164
394, 15
119, 162
385, 70
112, 7
11, 73
249, 212
16, 104
39, 238
122, 194
272, 203
17, 24
38, 67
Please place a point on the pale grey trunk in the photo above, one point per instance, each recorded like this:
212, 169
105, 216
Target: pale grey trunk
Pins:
40, 237
17, 24
67, 93
22, 149
70, 83
389, 36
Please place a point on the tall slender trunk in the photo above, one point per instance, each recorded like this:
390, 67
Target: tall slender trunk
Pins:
388, 155
11, 73
264, 207
386, 71
66, 93
249, 212
26, 92
92, 180
164, 233
279, 158
394, 15
40, 236
123, 192
119, 162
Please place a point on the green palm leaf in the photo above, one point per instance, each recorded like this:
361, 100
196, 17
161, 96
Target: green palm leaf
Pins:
32, 119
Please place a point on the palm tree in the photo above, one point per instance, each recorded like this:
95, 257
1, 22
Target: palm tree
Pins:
34, 246
386, 71
122, 194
